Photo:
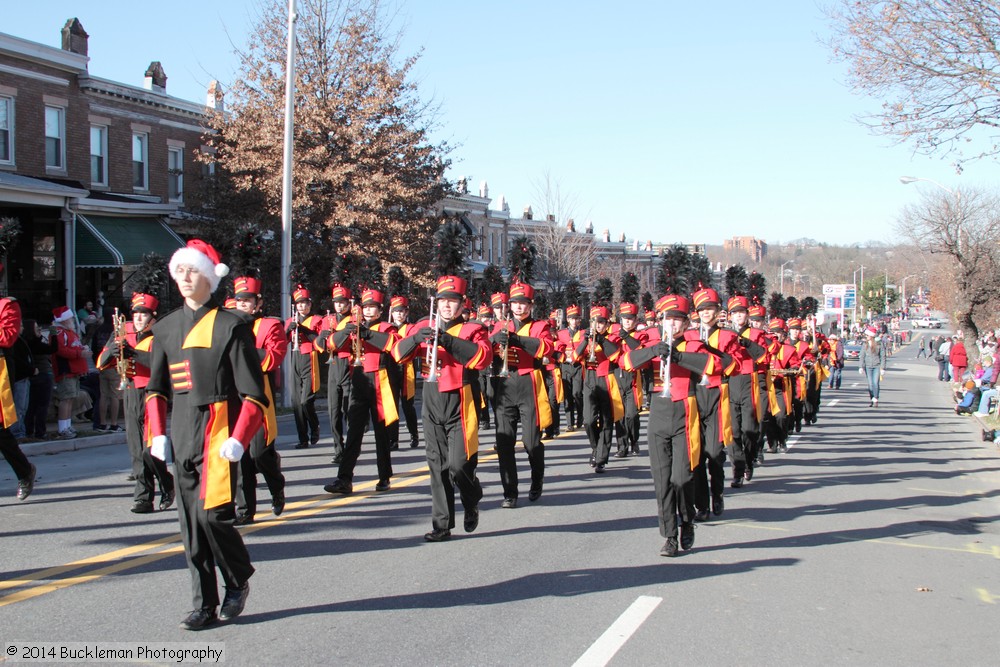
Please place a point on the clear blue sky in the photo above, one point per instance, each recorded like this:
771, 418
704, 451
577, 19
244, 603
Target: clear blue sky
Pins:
673, 121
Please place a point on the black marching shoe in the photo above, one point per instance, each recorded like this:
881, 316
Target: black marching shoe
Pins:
438, 535
701, 515
635, 448
415, 441
748, 473
302, 445
534, 493
471, 519
718, 505
393, 446
338, 458
142, 507
599, 468
383, 485
737, 480
166, 500
26, 485
687, 535
199, 619
669, 547
339, 486
243, 519
235, 600
508, 503
593, 461
621, 453
278, 503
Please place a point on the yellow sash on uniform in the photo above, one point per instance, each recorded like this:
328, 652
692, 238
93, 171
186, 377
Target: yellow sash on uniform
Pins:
216, 485
6, 396
615, 392
384, 399
409, 381
693, 428
725, 415
557, 381
772, 395
470, 422
270, 415
542, 407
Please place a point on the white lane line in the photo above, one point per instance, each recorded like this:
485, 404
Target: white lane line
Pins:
792, 440
855, 384
833, 403
601, 651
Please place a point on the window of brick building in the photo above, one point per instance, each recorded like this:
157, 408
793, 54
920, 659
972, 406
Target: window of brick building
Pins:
6, 130
175, 174
140, 166
55, 138
98, 155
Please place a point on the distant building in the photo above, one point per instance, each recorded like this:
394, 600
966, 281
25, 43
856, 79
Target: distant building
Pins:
756, 248
96, 172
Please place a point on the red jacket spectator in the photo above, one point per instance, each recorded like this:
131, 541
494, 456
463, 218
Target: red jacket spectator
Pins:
959, 359
69, 358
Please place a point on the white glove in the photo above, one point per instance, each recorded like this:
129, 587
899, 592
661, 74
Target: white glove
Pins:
159, 447
881, 373
231, 450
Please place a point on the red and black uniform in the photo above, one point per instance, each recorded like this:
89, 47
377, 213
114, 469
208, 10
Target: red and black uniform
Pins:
403, 378
652, 332
147, 469
206, 359
450, 415
372, 400
630, 385
339, 369
521, 397
485, 388
572, 374
674, 429
10, 329
552, 372
745, 391
262, 456
807, 360
305, 353
784, 369
602, 399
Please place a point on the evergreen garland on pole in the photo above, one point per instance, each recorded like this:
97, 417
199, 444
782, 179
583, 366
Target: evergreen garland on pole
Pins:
604, 292
630, 287
450, 246
521, 260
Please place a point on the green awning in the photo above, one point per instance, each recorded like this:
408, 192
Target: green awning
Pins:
103, 241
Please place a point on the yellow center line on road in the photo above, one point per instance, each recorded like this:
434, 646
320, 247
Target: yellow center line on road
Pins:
36, 584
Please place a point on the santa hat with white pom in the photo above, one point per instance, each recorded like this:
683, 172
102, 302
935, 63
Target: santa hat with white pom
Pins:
203, 257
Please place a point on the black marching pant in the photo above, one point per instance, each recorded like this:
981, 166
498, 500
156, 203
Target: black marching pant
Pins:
12, 452
404, 406
258, 458
338, 397
304, 399
363, 409
597, 415
746, 433
515, 403
573, 388
451, 456
150, 470
669, 463
627, 429
550, 388
710, 475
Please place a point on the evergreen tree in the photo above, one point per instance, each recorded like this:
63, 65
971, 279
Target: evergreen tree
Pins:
573, 293
370, 274
521, 259
450, 245
542, 307
604, 292
630, 287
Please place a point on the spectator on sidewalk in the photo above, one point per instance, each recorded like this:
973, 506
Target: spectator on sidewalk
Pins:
871, 364
970, 399
42, 383
944, 368
89, 320
958, 358
921, 348
69, 362
21, 368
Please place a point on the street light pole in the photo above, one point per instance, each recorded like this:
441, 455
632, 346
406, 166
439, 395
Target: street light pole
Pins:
286, 192
781, 280
903, 304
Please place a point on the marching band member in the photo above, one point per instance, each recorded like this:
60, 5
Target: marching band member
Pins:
745, 387
333, 339
595, 351
486, 319
303, 329
371, 394
552, 372
450, 415
572, 372
674, 431
403, 376
521, 396
783, 370
629, 382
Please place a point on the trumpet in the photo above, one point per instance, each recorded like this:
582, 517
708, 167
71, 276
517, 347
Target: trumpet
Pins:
592, 345
505, 368
122, 364
295, 333
431, 358
665, 362
357, 350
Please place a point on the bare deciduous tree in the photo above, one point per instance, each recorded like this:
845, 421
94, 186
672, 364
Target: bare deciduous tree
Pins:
935, 66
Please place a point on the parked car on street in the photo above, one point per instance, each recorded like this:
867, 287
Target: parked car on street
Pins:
852, 351
926, 323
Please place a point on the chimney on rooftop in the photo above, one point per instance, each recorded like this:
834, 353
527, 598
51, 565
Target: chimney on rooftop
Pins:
74, 37
156, 80
215, 99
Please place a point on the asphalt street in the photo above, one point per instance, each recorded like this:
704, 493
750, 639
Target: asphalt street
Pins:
874, 540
